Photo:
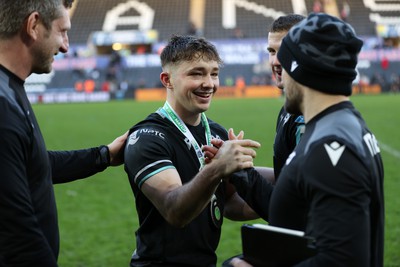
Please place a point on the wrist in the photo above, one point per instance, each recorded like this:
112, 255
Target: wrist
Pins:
103, 159
213, 171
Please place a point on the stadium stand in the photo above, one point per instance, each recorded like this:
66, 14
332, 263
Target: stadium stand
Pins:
90, 15
359, 19
253, 26
251, 17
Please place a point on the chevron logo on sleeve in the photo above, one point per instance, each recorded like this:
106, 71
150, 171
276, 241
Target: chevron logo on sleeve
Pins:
335, 151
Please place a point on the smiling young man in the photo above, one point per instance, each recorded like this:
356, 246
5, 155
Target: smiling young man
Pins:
180, 200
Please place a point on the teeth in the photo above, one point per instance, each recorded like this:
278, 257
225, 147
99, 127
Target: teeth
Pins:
203, 93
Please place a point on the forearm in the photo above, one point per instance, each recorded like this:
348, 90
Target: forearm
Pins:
236, 209
77, 164
267, 173
180, 204
253, 189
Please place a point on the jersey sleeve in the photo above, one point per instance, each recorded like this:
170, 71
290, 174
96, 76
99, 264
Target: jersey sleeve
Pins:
71, 165
147, 153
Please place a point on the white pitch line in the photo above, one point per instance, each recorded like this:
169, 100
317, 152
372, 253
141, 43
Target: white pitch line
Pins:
390, 150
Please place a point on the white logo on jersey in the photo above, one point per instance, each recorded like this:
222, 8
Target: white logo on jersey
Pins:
286, 118
334, 151
216, 137
291, 156
372, 144
151, 132
188, 143
133, 138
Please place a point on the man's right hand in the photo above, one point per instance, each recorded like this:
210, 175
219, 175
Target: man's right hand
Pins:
210, 151
233, 155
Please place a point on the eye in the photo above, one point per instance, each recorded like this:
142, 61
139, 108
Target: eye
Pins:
215, 74
196, 73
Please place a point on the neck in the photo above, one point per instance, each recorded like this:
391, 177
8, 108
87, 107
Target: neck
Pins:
188, 117
315, 102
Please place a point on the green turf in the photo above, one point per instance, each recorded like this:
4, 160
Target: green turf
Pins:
97, 215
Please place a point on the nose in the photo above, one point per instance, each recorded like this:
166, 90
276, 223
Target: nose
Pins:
274, 60
209, 81
65, 44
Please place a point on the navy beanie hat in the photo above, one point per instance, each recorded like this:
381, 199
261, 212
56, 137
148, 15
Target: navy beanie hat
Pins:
321, 52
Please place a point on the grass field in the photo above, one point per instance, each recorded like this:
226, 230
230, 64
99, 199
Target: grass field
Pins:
97, 215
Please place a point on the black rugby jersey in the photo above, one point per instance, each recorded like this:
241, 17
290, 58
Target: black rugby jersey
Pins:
288, 132
154, 145
332, 188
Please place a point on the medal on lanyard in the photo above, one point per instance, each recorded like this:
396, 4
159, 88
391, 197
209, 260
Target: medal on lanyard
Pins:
215, 212
167, 110
177, 121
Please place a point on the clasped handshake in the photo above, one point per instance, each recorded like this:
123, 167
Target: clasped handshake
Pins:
232, 155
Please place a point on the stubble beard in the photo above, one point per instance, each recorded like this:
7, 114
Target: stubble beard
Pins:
43, 56
294, 102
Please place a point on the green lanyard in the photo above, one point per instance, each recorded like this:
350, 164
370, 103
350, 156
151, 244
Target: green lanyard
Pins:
168, 111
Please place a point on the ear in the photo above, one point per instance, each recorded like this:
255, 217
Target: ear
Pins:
32, 25
165, 80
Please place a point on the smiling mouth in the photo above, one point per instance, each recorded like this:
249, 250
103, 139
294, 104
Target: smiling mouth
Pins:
203, 94
278, 72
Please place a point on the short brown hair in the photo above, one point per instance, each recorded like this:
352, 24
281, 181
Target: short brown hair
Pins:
14, 13
284, 23
188, 48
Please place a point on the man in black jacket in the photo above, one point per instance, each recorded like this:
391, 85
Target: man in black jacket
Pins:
31, 33
332, 184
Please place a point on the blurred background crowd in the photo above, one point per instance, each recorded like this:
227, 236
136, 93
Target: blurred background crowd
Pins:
115, 44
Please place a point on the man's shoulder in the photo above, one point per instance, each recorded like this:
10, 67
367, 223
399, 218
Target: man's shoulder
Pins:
337, 129
10, 110
153, 125
154, 120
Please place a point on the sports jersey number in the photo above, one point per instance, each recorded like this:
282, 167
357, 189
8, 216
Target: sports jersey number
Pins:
372, 144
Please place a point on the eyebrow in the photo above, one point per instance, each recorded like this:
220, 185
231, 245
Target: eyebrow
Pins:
202, 69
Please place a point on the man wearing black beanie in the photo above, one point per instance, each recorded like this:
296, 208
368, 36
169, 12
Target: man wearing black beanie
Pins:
332, 184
